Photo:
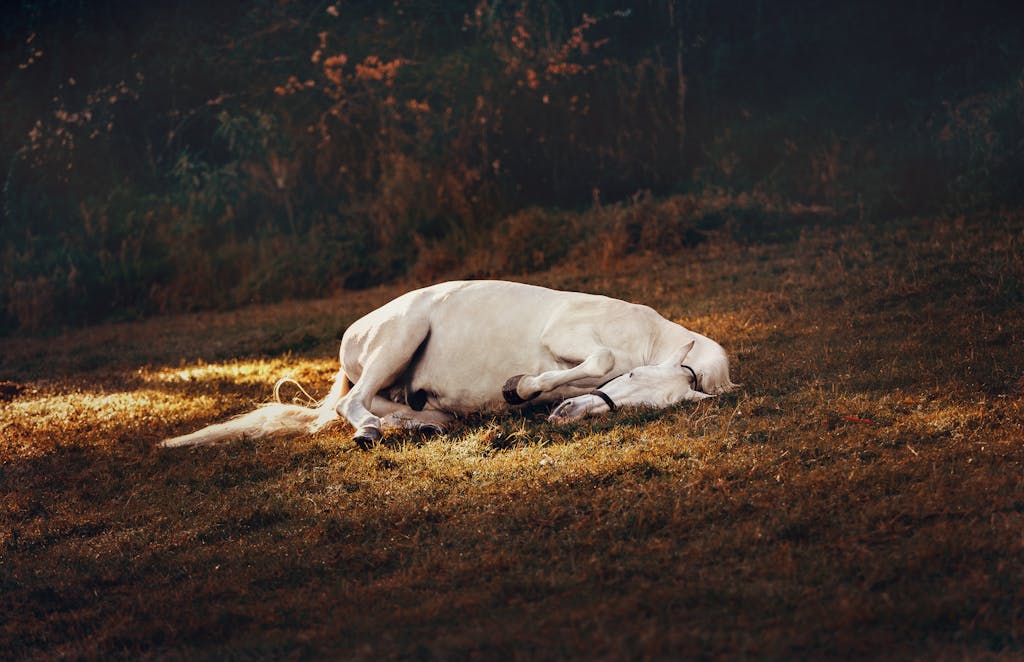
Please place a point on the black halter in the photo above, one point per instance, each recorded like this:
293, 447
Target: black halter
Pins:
604, 396
611, 403
696, 383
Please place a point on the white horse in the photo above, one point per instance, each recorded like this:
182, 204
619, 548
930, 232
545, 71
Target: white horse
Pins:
481, 346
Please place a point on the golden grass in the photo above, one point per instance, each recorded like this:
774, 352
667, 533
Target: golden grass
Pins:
862, 495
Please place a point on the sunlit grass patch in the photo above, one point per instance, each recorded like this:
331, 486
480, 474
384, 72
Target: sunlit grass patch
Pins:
37, 425
256, 372
152, 402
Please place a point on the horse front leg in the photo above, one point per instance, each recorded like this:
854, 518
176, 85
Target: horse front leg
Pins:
522, 388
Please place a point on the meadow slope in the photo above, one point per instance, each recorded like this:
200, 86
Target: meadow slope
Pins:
862, 494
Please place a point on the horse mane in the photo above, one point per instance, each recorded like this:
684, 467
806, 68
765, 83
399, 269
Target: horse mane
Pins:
714, 370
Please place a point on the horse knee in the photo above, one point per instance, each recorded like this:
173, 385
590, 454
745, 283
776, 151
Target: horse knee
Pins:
597, 364
604, 362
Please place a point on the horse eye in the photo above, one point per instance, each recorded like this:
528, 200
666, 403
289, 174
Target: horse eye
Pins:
629, 376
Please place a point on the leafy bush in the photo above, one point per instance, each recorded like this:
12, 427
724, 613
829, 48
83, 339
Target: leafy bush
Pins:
176, 160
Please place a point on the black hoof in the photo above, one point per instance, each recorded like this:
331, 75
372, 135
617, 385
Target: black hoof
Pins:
367, 437
511, 395
430, 430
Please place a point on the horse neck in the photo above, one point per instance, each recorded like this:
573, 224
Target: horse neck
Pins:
670, 338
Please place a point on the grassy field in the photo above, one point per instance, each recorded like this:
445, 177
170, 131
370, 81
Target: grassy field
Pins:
862, 494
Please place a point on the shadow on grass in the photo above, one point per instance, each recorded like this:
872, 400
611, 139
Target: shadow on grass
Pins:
529, 426
292, 546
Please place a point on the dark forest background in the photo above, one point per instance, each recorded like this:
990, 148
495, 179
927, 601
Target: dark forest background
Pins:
182, 155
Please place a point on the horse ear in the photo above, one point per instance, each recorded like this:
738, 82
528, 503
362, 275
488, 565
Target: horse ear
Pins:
683, 351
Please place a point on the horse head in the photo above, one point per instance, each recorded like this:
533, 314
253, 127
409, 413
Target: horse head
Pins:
681, 377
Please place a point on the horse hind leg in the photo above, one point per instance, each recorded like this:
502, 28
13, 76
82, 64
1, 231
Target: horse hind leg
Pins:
395, 415
357, 405
397, 342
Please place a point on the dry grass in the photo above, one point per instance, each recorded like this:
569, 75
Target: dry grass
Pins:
862, 495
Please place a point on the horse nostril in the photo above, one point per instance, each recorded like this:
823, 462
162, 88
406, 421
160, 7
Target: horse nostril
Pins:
563, 409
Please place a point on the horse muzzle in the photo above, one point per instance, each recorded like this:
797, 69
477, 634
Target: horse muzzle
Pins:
576, 408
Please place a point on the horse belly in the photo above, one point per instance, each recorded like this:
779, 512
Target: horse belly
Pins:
476, 345
464, 372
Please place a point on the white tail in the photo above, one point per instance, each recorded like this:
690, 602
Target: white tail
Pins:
269, 419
